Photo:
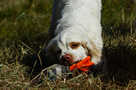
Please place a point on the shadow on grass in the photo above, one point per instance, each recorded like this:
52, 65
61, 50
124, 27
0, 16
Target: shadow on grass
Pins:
121, 63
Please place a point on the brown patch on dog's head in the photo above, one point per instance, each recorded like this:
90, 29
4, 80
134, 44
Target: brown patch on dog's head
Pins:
74, 45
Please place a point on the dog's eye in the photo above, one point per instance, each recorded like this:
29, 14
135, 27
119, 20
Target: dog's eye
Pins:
74, 45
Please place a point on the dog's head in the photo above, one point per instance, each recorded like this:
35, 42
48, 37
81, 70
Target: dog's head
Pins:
70, 47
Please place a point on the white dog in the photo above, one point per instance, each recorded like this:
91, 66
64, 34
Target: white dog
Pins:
75, 32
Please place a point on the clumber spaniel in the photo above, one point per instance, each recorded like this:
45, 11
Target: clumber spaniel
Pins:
75, 32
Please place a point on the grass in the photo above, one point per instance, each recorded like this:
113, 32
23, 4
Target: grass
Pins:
23, 35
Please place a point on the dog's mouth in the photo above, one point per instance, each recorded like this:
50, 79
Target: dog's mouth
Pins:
70, 63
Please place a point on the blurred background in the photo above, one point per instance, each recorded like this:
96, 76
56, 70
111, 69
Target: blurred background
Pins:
24, 19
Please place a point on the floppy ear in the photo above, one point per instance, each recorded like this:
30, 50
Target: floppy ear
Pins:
92, 51
50, 53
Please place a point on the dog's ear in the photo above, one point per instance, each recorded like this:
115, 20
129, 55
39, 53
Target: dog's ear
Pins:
97, 58
50, 52
92, 50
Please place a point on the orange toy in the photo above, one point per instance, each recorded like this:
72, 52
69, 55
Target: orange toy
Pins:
83, 65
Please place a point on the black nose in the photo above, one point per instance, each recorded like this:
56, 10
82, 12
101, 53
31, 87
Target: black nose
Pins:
66, 58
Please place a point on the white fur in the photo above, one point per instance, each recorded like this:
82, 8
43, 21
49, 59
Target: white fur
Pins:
76, 21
